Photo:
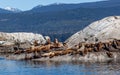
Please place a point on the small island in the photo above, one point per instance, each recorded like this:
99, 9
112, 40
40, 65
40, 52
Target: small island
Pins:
92, 44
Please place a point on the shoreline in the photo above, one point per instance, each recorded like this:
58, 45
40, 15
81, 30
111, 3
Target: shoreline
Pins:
90, 57
60, 51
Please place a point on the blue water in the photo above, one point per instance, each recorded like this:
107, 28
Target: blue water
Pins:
10, 67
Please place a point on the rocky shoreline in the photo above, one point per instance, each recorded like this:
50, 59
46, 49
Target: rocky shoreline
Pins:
58, 51
99, 42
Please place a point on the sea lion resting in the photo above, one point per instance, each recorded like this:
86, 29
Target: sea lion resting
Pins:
83, 49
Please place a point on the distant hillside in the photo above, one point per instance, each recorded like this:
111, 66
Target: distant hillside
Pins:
14, 10
4, 11
62, 7
56, 23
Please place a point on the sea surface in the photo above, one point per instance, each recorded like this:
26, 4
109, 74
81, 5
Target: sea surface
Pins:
12, 67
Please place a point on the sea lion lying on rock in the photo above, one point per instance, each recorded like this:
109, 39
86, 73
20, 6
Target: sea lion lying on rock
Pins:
57, 44
56, 48
109, 54
116, 44
38, 48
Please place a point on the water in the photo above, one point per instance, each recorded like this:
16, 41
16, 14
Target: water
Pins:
11, 67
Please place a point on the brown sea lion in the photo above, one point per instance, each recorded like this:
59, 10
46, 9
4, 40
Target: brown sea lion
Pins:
100, 46
18, 52
106, 46
48, 54
36, 43
57, 44
109, 54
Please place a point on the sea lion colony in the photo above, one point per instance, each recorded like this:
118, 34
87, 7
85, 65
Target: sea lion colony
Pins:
56, 48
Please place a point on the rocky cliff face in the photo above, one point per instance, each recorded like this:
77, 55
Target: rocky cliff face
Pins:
21, 37
102, 30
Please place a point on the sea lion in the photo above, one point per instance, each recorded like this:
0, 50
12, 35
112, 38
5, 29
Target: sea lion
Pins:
116, 44
65, 46
57, 44
81, 47
48, 54
100, 46
85, 51
36, 43
18, 52
109, 54
48, 40
106, 46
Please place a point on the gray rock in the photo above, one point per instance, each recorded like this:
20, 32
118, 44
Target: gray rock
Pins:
102, 30
22, 37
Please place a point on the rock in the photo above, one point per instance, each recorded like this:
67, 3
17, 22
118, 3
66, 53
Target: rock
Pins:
2, 42
19, 57
102, 30
22, 37
6, 43
90, 57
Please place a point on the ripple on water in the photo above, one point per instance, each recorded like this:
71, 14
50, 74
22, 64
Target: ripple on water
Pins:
10, 67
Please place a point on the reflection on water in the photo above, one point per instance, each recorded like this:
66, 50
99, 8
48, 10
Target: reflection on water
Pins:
9, 67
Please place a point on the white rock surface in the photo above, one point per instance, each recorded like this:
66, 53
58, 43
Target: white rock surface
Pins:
105, 29
22, 37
